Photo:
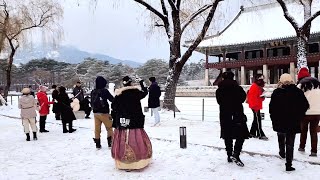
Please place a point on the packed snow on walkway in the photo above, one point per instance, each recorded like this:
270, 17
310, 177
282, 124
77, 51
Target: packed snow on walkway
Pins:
73, 156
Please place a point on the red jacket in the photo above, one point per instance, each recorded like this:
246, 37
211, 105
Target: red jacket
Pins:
253, 98
44, 103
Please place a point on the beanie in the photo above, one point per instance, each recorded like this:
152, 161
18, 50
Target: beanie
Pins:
25, 91
304, 72
286, 78
43, 88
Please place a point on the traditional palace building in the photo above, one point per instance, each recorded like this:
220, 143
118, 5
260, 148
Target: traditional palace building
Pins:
261, 40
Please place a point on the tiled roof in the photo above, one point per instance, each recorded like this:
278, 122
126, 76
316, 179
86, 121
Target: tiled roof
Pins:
261, 23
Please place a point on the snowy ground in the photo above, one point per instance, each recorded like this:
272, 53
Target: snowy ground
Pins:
73, 156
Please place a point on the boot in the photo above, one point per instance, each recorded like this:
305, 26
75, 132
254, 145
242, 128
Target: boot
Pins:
35, 136
235, 158
289, 167
28, 137
64, 127
98, 143
71, 130
229, 159
109, 141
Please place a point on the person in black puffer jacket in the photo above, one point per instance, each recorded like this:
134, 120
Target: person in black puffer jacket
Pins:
101, 110
287, 108
230, 97
131, 146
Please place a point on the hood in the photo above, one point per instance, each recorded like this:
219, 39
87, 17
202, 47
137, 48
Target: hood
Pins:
119, 91
101, 82
27, 100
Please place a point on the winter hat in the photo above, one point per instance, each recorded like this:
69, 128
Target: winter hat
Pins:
101, 82
304, 72
126, 81
43, 88
25, 91
286, 78
152, 79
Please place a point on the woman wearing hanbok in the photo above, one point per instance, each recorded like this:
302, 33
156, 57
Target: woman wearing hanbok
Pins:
131, 147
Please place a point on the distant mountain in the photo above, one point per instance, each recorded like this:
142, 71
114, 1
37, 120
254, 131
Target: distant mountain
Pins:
66, 54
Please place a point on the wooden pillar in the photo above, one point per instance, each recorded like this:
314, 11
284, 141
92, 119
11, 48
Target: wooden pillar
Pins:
316, 72
243, 75
276, 74
292, 71
265, 73
206, 72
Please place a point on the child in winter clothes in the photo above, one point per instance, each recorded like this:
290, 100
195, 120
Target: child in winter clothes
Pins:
255, 99
311, 88
28, 104
44, 107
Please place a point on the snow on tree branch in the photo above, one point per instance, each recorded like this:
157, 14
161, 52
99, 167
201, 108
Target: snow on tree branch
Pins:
178, 4
291, 20
193, 16
152, 9
202, 34
173, 6
308, 22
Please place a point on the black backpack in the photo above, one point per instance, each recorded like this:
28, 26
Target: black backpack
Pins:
97, 102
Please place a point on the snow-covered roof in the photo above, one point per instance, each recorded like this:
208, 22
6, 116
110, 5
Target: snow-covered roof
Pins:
261, 23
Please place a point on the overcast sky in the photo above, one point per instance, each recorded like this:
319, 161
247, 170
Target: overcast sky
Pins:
118, 31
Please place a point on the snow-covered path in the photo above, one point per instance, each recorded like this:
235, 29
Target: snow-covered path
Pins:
73, 156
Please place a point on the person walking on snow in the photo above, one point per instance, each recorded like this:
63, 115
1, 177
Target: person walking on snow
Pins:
153, 100
44, 107
255, 98
287, 108
99, 103
230, 97
2, 101
131, 147
311, 88
28, 105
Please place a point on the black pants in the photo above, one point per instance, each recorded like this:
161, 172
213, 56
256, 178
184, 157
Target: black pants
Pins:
256, 127
42, 123
286, 145
58, 116
64, 125
237, 146
87, 111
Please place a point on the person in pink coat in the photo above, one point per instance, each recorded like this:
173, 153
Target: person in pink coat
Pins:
44, 107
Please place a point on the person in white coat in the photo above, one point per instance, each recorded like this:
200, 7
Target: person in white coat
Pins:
28, 105
311, 88
2, 101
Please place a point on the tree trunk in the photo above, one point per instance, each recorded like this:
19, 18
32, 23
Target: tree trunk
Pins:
8, 73
302, 52
171, 85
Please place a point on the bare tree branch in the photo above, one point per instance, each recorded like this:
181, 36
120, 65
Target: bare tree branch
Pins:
202, 34
308, 22
178, 4
152, 9
173, 6
164, 9
291, 20
193, 16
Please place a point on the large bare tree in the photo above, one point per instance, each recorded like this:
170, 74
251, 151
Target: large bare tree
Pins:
17, 21
174, 17
303, 30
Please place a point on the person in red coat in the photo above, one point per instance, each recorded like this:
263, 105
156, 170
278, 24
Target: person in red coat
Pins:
255, 98
44, 107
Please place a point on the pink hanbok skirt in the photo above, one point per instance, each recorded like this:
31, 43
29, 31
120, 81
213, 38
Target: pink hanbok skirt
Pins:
131, 149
